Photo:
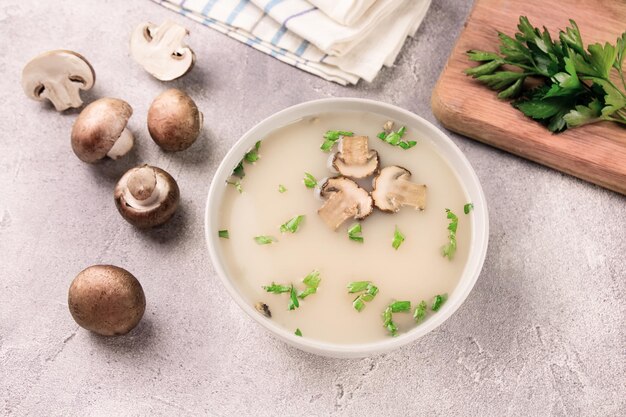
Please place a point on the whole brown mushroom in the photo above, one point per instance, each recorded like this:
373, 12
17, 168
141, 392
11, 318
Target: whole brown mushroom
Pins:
107, 300
174, 121
146, 196
100, 130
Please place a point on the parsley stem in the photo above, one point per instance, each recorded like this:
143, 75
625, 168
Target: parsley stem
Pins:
613, 119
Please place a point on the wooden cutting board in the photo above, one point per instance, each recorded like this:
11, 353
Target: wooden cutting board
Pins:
596, 153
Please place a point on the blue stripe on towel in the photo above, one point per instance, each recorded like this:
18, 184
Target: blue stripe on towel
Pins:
269, 6
208, 6
279, 34
302, 47
298, 15
233, 15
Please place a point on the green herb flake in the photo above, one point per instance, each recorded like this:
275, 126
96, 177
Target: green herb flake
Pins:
395, 138
293, 299
368, 292
239, 170
236, 184
438, 301
449, 249
354, 233
277, 288
292, 224
420, 311
398, 238
298, 332
395, 307
264, 240
400, 306
253, 155
311, 282
223, 234
468, 207
309, 180
331, 137
281, 188
357, 286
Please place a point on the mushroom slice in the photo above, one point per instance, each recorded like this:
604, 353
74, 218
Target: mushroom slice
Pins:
392, 190
355, 159
58, 76
146, 196
100, 130
345, 200
160, 50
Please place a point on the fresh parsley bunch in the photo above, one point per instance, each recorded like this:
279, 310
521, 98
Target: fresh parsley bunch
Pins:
577, 88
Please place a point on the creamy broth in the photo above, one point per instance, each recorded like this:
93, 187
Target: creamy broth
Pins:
416, 271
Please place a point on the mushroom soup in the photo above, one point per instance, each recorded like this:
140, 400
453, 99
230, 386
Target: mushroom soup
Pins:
340, 261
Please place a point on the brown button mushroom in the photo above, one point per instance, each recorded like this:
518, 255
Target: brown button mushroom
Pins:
100, 130
345, 200
146, 196
107, 300
58, 76
355, 159
392, 190
174, 120
160, 50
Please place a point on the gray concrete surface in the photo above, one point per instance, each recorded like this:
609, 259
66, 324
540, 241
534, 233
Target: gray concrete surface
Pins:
542, 334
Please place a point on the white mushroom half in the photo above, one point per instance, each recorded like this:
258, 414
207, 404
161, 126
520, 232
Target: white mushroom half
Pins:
345, 200
354, 158
393, 190
160, 50
58, 76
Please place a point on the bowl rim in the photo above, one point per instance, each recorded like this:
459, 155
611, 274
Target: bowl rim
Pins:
469, 182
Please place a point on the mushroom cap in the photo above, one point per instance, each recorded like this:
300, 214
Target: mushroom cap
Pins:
160, 50
106, 299
98, 126
354, 158
58, 76
392, 190
153, 210
174, 121
345, 199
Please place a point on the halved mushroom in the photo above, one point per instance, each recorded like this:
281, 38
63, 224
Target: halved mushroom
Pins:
345, 200
100, 130
393, 190
174, 121
146, 196
355, 159
160, 50
58, 76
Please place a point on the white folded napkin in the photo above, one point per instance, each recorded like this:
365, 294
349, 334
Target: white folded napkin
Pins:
363, 58
345, 12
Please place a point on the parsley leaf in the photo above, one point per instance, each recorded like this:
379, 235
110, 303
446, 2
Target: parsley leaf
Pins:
292, 224
298, 332
311, 281
395, 307
438, 301
420, 311
277, 288
264, 240
331, 137
468, 207
236, 184
354, 233
250, 157
368, 292
395, 138
223, 234
281, 188
449, 249
398, 238
293, 299
309, 180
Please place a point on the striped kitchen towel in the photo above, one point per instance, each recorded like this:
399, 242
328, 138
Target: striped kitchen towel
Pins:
277, 27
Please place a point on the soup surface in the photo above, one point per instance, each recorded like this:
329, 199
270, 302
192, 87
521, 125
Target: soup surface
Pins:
415, 271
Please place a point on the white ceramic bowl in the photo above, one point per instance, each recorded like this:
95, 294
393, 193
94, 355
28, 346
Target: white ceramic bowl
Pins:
425, 130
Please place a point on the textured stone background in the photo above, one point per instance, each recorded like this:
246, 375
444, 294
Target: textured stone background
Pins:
542, 334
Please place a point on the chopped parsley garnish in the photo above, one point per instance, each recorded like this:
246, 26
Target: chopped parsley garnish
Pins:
331, 137
395, 138
468, 207
368, 292
420, 311
293, 299
438, 301
277, 288
298, 332
264, 240
398, 238
236, 184
292, 224
239, 171
250, 157
281, 188
311, 281
395, 307
223, 234
354, 233
449, 249
309, 180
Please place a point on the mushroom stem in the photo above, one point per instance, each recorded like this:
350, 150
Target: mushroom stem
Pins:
407, 193
122, 145
337, 210
158, 193
61, 96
